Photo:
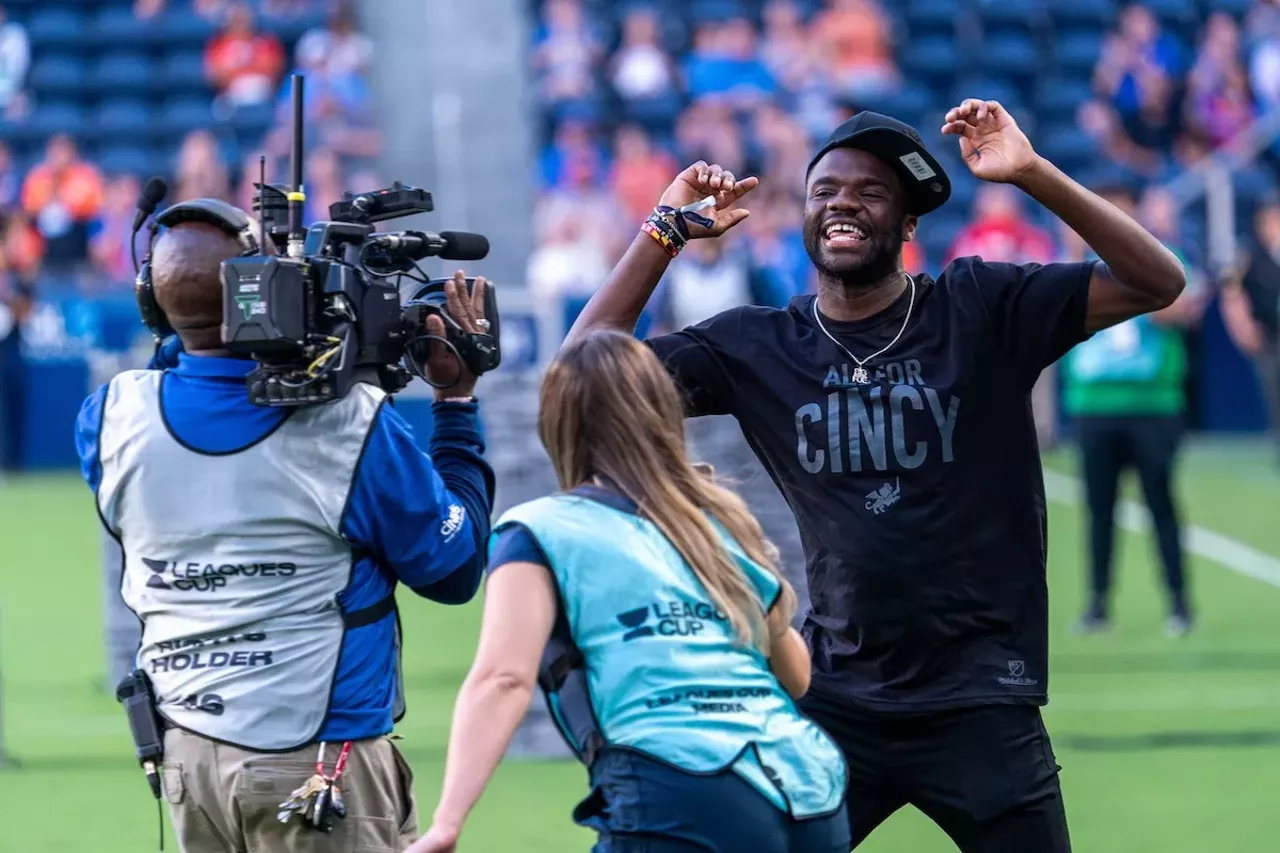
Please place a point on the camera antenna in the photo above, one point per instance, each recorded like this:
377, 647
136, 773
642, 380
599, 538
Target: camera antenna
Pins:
262, 204
297, 195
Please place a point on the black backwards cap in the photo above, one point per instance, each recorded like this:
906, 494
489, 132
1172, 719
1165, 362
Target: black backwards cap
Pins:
901, 147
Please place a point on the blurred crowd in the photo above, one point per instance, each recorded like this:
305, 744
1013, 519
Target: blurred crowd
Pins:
65, 220
627, 100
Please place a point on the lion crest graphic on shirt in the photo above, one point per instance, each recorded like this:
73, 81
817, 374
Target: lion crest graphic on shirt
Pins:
884, 497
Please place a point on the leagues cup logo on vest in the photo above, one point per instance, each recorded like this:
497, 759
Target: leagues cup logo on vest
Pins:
234, 562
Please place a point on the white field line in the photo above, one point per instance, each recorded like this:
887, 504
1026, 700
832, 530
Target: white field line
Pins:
1132, 516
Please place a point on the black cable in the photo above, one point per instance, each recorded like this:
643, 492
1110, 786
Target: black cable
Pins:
160, 823
415, 364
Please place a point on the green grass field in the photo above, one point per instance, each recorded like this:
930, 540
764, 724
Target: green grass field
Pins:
1166, 746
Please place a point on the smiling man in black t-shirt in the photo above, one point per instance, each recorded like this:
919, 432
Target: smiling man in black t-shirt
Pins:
893, 412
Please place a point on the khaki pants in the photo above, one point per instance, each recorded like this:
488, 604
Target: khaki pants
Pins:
225, 800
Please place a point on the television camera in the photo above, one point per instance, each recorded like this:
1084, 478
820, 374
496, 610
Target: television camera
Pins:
324, 312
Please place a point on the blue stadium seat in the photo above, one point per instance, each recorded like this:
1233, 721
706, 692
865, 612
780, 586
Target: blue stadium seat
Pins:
1061, 96
931, 17
291, 29
54, 117
126, 160
122, 73
116, 27
1176, 12
250, 123
182, 27
57, 27
183, 115
1003, 16
1078, 51
912, 99
1237, 8
988, 89
933, 58
1012, 55
57, 75
1067, 146
122, 119
183, 73
1096, 13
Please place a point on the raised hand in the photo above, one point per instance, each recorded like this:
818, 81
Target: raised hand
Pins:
991, 143
701, 180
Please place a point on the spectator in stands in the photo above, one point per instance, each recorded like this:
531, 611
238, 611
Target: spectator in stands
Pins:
1000, 231
1100, 121
569, 262
22, 250
640, 172
775, 245
566, 52
709, 130
338, 111
201, 172
243, 65
858, 47
146, 10
10, 183
1219, 104
324, 183
1138, 65
337, 50
717, 278
582, 194
641, 69
1251, 310
64, 194
15, 307
574, 142
15, 59
109, 235
782, 148
1264, 53
725, 64
787, 47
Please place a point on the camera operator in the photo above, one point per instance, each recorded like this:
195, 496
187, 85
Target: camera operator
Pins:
262, 548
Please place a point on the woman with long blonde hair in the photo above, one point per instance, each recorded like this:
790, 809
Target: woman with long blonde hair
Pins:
647, 604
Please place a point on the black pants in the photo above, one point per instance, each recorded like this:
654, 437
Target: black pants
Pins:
1109, 445
987, 775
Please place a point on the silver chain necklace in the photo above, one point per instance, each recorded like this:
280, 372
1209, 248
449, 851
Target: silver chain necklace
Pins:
860, 374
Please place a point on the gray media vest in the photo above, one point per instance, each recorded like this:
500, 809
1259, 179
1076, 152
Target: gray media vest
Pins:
234, 562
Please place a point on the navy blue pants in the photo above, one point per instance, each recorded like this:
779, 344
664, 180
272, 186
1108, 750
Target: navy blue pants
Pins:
640, 805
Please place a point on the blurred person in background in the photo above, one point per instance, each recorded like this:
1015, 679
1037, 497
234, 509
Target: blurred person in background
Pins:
110, 234
640, 171
1219, 105
787, 45
201, 171
1000, 230
781, 147
243, 65
719, 276
1101, 123
1125, 389
336, 50
567, 262
1138, 56
1251, 311
10, 181
1263, 33
146, 10
725, 64
660, 584
15, 60
64, 194
641, 69
565, 53
20, 250
775, 244
857, 45
324, 182
574, 142
583, 194
708, 130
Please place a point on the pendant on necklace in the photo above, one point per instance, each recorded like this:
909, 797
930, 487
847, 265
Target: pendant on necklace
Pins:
861, 376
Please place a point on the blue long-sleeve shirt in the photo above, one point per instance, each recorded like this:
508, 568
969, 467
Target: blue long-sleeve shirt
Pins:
397, 519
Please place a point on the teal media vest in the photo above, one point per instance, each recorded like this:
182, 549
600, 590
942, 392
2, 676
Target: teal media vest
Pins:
664, 672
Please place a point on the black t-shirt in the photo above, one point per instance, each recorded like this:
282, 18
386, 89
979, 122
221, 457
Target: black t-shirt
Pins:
919, 497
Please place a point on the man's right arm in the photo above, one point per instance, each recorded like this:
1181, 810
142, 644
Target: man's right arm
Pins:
425, 516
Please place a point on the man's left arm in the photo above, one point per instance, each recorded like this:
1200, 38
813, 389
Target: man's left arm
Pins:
1137, 275
425, 517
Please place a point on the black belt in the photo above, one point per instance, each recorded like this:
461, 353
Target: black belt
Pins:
368, 615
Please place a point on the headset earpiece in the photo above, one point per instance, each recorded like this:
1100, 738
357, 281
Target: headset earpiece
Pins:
233, 221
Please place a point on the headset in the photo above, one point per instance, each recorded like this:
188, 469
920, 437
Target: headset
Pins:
229, 219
